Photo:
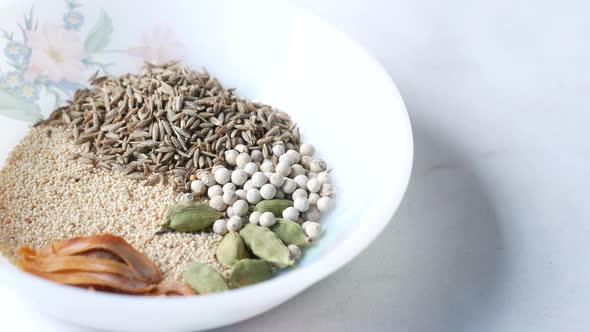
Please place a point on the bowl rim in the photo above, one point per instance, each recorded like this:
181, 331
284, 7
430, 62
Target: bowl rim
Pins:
348, 249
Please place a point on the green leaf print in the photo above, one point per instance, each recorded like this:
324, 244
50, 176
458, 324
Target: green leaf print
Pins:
17, 108
100, 35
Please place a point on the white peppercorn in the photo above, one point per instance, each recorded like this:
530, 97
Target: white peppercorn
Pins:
241, 193
249, 185
323, 177
253, 196
307, 150
299, 193
255, 217
313, 199
243, 159
241, 148
301, 181
297, 170
259, 179
229, 211
231, 156
295, 156
268, 191
239, 177
267, 219
222, 175
312, 214
326, 190
291, 213
277, 179
324, 204
317, 165
220, 226
313, 185
235, 223
287, 158
278, 150
198, 187
186, 197
267, 166
216, 202
280, 194
295, 251
289, 186
229, 187
240, 207
283, 168
312, 175
305, 224
215, 168
229, 197
251, 168
268, 175
207, 178
214, 191
256, 155
313, 230
306, 161
301, 204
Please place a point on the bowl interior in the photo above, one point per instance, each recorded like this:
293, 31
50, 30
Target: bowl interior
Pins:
344, 102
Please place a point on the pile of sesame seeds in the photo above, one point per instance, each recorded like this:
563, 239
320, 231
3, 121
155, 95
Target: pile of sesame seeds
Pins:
45, 196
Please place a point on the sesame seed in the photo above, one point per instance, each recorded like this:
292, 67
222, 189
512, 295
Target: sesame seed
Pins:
46, 196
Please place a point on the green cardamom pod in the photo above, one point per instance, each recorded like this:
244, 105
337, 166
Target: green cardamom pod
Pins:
290, 232
266, 245
249, 271
276, 206
231, 249
204, 279
248, 232
190, 216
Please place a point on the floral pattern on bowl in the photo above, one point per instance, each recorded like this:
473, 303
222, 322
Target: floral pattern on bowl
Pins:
48, 60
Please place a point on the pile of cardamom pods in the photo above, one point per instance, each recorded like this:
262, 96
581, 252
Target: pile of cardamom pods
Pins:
251, 254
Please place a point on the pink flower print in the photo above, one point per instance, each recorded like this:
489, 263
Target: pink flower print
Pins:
55, 52
159, 45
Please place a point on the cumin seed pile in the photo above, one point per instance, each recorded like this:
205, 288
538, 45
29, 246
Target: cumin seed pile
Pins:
168, 120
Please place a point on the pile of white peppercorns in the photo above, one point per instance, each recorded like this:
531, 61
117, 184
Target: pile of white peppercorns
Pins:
288, 175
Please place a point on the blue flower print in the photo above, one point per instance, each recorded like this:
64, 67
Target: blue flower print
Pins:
29, 91
73, 20
15, 51
12, 80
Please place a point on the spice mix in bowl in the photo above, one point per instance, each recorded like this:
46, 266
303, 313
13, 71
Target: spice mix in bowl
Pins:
165, 168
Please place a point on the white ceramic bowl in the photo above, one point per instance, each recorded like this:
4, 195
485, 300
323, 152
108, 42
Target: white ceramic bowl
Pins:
270, 50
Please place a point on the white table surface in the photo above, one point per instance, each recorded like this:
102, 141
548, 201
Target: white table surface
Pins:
494, 233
